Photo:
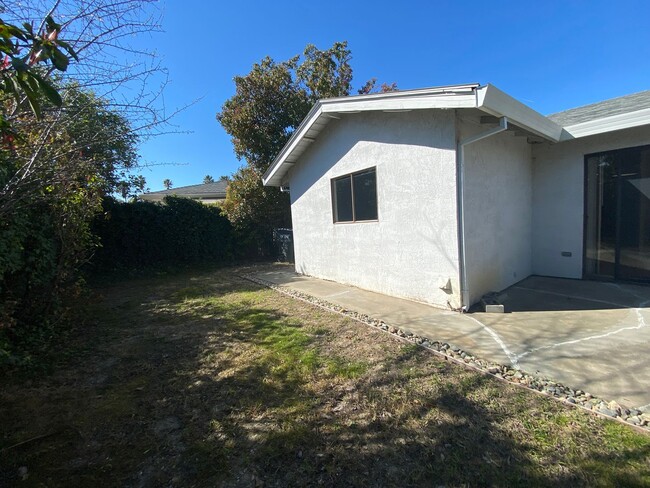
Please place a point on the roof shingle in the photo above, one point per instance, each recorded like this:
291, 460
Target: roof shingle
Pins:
218, 188
606, 108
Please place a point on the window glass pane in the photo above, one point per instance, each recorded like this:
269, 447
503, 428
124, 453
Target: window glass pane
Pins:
343, 199
634, 215
618, 214
365, 195
601, 233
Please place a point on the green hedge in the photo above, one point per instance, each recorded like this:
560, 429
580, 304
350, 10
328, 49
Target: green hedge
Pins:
137, 235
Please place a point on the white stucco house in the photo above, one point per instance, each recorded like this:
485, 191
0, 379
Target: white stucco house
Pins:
444, 194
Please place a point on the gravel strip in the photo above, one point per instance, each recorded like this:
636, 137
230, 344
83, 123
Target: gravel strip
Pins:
577, 398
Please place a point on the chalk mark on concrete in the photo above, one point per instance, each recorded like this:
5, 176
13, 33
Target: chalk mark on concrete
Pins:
337, 294
514, 360
641, 323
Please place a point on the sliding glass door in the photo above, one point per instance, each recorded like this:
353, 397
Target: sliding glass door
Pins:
617, 219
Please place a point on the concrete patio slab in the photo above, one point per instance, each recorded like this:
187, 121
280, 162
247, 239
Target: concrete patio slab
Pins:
587, 335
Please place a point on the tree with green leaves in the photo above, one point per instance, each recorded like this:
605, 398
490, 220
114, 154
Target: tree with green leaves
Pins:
83, 136
27, 54
54, 177
370, 86
255, 210
325, 74
65, 144
167, 183
40, 89
208, 179
268, 105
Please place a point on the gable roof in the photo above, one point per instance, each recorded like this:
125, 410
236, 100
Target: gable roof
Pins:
607, 116
216, 190
488, 99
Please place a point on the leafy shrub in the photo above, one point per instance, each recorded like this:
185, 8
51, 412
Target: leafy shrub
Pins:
137, 235
40, 251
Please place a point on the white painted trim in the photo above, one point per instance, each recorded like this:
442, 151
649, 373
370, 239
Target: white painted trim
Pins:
410, 103
458, 89
495, 102
607, 124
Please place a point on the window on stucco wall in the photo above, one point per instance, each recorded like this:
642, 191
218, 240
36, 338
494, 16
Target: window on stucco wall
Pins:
354, 196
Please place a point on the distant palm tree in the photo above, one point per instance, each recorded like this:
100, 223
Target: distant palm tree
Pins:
208, 179
167, 183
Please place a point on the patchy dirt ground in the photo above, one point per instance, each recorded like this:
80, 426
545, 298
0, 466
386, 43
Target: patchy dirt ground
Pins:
204, 379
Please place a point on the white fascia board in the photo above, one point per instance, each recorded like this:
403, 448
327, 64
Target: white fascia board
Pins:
402, 94
607, 124
409, 103
495, 102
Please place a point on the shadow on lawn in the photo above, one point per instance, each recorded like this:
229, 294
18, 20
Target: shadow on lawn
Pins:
465, 447
177, 408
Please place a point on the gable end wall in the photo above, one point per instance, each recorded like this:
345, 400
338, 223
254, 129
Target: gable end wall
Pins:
412, 250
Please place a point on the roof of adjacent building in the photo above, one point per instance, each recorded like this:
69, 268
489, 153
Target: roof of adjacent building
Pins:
600, 110
216, 190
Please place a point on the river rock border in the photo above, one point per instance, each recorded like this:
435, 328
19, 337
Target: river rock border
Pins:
536, 383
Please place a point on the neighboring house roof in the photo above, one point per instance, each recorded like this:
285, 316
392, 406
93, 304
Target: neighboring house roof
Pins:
615, 114
216, 190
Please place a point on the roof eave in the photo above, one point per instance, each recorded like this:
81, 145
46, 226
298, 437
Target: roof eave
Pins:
271, 177
495, 102
628, 120
487, 98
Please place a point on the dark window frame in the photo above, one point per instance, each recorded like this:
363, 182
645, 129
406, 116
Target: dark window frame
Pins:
334, 200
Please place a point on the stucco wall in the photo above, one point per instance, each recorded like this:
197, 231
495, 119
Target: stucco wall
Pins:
558, 198
498, 214
411, 251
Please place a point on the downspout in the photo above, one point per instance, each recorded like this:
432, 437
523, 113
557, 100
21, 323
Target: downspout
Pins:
460, 195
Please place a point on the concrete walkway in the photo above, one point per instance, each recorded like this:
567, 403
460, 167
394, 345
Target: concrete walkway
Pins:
586, 335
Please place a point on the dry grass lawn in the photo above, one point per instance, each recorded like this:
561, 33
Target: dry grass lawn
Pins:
205, 379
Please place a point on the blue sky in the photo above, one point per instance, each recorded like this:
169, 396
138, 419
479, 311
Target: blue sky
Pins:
551, 55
